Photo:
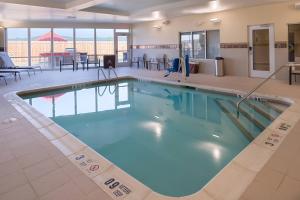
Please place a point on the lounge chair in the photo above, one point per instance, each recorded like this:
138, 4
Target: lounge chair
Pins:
7, 64
15, 72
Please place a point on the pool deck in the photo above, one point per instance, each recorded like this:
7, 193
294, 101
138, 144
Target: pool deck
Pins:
31, 167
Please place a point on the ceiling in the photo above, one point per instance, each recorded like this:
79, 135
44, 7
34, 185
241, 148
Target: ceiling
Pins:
114, 11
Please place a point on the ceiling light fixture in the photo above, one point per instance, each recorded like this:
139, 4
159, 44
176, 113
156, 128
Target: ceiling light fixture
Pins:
156, 14
214, 4
157, 27
215, 20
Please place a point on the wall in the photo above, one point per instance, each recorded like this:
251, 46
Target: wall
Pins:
233, 34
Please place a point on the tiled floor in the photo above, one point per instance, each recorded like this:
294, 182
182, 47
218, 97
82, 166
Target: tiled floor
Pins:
32, 168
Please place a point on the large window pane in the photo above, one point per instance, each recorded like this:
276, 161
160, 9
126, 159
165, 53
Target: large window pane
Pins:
17, 45
41, 47
62, 44
186, 44
213, 44
122, 51
199, 44
85, 41
105, 42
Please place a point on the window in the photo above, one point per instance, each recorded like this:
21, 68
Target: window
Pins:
213, 44
46, 46
105, 43
200, 44
186, 44
85, 41
199, 41
17, 45
41, 47
63, 44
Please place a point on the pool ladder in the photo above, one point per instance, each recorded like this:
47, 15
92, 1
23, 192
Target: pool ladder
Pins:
256, 88
109, 72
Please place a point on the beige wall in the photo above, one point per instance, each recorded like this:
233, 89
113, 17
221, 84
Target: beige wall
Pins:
233, 29
233, 26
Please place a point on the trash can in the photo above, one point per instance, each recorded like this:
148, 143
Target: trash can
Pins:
219, 62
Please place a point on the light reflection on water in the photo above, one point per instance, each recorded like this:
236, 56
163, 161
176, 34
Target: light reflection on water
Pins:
172, 139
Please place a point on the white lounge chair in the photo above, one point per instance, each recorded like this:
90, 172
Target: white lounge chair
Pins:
6, 64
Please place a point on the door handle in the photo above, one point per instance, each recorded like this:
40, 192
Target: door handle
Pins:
250, 48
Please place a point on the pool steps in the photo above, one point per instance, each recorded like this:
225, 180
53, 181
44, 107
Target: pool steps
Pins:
228, 107
276, 107
260, 111
249, 117
235, 120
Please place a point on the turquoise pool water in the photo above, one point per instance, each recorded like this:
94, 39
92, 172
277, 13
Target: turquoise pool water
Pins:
172, 139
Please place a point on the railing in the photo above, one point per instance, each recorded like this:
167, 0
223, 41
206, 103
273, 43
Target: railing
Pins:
109, 71
256, 88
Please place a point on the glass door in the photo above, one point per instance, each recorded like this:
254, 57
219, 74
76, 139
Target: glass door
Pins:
261, 51
122, 49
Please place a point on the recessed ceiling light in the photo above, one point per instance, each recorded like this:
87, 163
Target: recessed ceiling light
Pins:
214, 4
156, 14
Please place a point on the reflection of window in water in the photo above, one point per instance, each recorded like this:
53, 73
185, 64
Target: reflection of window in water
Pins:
86, 101
43, 105
65, 104
123, 92
107, 100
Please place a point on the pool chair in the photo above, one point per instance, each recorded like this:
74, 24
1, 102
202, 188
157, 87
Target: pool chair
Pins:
4, 78
67, 61
81, 58
174, 68
7, 64
92, 60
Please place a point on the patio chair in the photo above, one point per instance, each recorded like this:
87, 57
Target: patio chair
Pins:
294, 70
81, 58
93, 60
7, 63
145, 61
67, 60
154, 62
136, 60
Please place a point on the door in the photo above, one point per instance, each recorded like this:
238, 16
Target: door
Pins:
122, 49
261, 50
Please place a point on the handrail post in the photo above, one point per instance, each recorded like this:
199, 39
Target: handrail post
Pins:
256, 88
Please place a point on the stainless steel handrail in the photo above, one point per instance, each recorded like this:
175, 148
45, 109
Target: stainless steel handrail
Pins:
105, 77
256, 88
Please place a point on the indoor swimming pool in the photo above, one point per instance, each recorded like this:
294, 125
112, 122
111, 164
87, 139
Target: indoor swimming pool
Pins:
173, 139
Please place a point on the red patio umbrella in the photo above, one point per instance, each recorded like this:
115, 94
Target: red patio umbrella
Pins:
55, 96
47, 37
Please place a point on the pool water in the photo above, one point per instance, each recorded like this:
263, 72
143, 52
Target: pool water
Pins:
172, 139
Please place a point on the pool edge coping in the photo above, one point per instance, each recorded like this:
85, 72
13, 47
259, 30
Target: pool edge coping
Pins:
242, 169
